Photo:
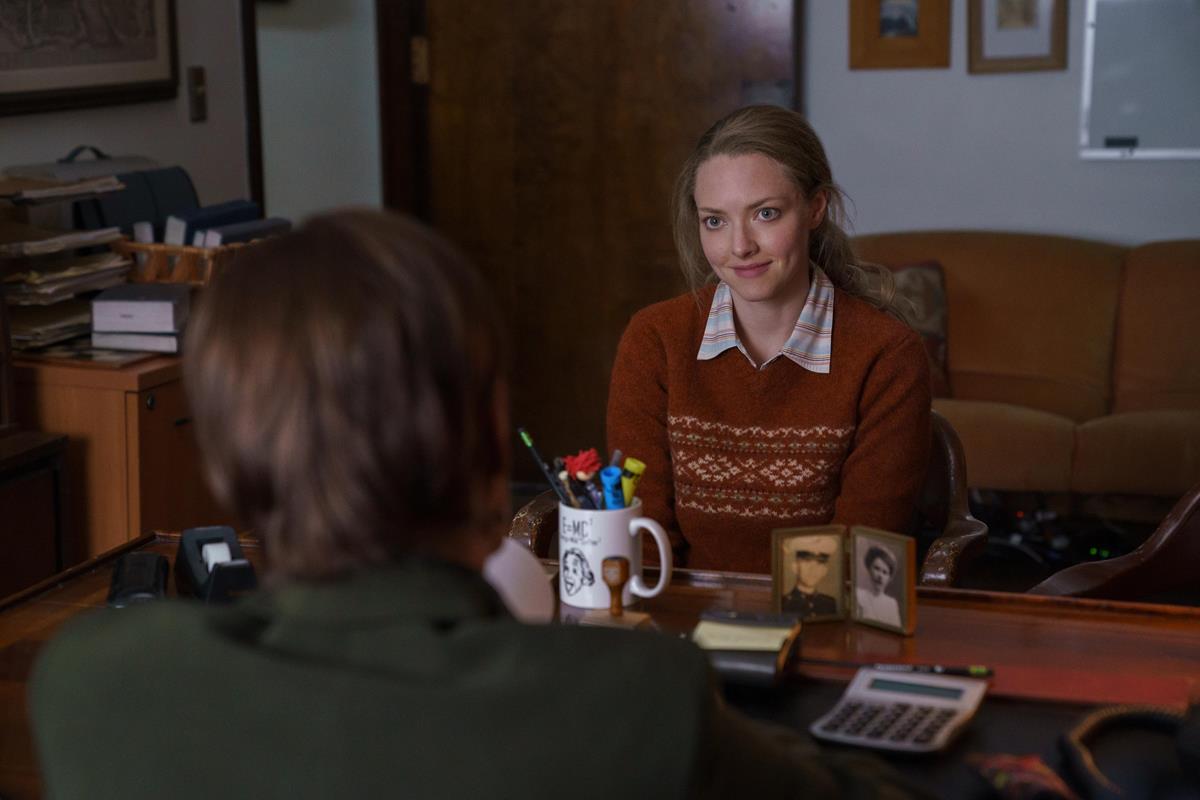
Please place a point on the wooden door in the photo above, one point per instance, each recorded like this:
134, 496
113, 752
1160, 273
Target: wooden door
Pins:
546, 142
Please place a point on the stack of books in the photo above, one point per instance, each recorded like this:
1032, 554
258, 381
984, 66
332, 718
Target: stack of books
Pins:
148, 317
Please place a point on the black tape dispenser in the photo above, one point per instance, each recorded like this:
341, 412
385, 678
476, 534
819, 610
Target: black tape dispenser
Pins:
211, 566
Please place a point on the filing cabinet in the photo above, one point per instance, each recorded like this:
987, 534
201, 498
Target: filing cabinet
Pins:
132, 461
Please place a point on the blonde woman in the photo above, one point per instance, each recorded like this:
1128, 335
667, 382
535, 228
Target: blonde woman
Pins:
785, 389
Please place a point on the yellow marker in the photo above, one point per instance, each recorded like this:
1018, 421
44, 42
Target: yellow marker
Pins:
630, 477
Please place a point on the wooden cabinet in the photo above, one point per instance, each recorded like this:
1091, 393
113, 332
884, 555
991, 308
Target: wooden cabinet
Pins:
132, 462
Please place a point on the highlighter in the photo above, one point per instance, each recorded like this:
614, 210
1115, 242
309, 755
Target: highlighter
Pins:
630, 477
610, 477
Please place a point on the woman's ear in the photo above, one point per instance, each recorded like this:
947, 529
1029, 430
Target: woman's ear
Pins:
817, 208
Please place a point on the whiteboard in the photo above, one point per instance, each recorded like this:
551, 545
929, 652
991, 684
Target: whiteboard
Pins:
1141, 80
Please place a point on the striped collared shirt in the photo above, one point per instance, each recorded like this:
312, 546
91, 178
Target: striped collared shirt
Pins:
811, 342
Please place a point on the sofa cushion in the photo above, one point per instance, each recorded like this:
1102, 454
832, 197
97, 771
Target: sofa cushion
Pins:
1140, 452
1011, 447
1030, 318
1157, 360
923, 286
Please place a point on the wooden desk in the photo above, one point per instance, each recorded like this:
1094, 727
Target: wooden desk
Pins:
1049, 649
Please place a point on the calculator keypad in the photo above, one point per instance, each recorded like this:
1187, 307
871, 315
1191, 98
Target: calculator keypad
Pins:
896, 722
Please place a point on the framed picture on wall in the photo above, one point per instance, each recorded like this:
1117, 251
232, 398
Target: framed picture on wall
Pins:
899, 34
1016, 35
56, 56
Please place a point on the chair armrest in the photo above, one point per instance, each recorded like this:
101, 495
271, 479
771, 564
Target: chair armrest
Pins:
535, 525
962, 541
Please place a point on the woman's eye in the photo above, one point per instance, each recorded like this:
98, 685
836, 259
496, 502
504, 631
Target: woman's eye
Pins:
768, 214
712, 223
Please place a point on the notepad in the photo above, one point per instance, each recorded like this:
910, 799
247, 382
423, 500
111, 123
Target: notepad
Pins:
712, 635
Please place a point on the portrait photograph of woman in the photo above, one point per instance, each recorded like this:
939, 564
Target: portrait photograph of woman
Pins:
883, 577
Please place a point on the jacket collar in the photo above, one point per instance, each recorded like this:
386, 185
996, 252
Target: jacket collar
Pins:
414, 590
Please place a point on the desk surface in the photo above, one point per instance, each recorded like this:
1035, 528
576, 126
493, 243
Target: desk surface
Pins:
1058, 651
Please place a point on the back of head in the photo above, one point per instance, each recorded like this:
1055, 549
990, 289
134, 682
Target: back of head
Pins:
786, 138
345, 380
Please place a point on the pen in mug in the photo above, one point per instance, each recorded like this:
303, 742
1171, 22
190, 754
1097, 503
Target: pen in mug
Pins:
610, 478
615, 461
630, 475
554, 484
563, 480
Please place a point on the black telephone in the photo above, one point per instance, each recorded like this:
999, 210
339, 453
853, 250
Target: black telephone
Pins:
211, 566
1076, 746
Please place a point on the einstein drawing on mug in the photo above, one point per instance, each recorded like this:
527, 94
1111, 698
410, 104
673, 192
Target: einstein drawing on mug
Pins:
809, 572
882, 573
576, 574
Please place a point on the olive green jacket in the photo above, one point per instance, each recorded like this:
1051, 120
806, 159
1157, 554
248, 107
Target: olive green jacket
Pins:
411, 682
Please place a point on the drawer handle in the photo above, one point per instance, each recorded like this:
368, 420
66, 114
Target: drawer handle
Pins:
150, 401
181, 421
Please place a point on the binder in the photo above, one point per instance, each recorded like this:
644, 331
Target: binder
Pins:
181, 227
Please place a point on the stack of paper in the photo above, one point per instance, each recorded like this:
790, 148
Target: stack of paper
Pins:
41, 190
38, 326
18, 239
60, 278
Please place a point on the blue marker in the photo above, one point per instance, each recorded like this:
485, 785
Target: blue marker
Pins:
614, 496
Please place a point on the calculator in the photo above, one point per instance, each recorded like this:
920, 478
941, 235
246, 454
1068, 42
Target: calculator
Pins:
908, 712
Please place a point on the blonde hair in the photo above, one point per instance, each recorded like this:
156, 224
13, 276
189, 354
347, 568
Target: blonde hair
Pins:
787, 139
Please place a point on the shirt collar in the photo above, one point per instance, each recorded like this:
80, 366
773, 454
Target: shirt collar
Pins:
811, 342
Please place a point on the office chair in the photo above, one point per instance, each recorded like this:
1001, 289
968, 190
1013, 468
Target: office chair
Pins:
1161, 566
941, 505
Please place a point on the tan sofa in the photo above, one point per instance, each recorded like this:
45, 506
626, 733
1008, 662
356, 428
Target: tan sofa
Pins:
1073, 365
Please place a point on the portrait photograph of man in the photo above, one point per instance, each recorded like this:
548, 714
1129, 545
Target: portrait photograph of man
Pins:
809, 573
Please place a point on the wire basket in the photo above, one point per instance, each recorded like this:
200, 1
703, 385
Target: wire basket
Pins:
170, 263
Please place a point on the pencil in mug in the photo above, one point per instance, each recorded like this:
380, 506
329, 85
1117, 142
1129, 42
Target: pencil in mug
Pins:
553, 481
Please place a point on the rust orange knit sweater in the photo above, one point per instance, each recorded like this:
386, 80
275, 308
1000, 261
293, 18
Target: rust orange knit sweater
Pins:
732, 452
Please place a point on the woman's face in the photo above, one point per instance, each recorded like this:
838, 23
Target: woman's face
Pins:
881, 574
754, 226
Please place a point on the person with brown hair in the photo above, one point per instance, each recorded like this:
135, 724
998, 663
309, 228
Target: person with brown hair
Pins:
348, 387
785, 389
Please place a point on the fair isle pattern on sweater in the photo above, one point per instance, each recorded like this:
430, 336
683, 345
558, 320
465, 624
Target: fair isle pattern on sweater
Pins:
785, 473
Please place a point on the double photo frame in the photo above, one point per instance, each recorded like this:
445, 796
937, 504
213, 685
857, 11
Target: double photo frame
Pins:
831, 572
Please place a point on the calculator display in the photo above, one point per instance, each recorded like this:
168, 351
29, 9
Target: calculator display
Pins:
889, 685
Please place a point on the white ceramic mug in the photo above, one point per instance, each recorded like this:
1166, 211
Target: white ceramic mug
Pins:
586, 537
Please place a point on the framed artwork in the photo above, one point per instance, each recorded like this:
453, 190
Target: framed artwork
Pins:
1016, 35
809, 572
899, 34
883, 579
57, 55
